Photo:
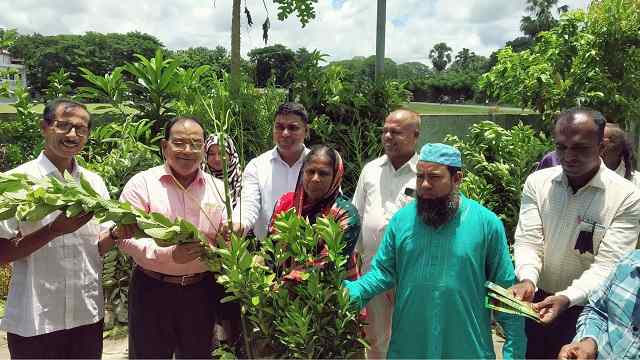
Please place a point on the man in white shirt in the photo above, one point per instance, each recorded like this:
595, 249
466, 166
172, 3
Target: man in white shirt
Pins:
55, 303
273, 173
577, 221
381, 191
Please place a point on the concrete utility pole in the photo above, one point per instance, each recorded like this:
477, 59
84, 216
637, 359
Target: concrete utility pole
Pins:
380, 35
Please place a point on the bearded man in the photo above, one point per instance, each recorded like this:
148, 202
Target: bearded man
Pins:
438, 252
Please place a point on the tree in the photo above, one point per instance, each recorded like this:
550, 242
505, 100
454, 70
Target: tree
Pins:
591, 58
277, 61
412, 70
467, 60
541, 17
100, 53
192, 58
440, 56
304, 10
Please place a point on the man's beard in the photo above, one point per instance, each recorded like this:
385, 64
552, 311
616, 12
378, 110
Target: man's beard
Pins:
438, 211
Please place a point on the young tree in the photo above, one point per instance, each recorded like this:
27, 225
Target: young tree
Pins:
440, 56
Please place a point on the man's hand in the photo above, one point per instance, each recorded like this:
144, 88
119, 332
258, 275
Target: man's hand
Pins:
523, 290
585, 349
64, 225
551, 307
185, 253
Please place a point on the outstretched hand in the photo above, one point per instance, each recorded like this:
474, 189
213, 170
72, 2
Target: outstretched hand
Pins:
551, 307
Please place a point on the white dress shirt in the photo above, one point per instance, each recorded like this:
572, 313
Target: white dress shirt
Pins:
265, 179
58, 286
379, 194
552, 216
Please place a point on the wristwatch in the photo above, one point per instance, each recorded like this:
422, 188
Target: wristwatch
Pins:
112, 234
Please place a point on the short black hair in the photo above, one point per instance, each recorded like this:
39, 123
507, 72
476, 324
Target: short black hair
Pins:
597, 117
179, 119
50, 108
293, 108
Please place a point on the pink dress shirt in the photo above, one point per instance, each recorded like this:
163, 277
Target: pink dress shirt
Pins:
155, 190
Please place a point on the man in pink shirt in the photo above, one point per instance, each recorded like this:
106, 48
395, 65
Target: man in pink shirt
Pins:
171, 296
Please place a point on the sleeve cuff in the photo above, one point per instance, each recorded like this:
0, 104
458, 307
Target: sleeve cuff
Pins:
528, 274
575, 296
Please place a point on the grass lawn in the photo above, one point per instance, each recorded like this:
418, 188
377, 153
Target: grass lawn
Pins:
445, 109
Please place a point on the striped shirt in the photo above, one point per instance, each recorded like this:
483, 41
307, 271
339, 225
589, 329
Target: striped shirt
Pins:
612, 316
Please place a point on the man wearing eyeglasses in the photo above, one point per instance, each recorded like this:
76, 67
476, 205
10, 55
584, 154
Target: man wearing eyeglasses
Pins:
172, 295
274, 172
55, 304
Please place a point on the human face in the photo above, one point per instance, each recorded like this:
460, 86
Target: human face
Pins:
213, 158
317, 177
399, 136
613, 144
68, 133
183, 151
577, 146
289, 132
433, 180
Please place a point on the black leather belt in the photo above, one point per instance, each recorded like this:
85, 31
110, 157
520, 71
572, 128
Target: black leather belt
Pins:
182, 280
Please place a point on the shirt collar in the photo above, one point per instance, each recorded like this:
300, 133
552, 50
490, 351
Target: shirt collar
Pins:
164, 173
276, 155
412, 163
49, 168
596, 181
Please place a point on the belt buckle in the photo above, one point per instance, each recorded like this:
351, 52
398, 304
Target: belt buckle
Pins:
182, 279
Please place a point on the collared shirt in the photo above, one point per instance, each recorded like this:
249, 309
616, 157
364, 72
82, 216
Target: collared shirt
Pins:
380, 194
155, 190
439, 276
612, 316
265, 179
58, 286
551, 219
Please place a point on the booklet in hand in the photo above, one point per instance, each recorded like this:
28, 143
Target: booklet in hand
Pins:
501, 299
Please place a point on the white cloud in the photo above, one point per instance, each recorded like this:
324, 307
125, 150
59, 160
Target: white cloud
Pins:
341, 31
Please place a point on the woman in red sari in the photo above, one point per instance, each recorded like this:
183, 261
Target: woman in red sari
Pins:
318, 194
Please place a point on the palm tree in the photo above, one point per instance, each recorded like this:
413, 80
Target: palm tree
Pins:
235, 48
540, 16
440, 56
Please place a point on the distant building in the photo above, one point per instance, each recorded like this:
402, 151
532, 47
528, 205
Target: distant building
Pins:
17, 73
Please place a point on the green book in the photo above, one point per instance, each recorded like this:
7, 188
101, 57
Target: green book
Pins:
501, 299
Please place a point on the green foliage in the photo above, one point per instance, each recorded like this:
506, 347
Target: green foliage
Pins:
496, 164
7, 37
59, 85
590, 58
272, 61
304, 10
100, 53
157, 81
20, 139
192, 58
308, 319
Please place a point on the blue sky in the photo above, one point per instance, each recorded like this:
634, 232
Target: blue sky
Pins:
342, 29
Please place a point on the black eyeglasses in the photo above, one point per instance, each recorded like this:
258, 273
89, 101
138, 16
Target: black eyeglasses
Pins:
65, 127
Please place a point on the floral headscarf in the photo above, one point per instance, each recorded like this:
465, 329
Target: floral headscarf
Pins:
233, 165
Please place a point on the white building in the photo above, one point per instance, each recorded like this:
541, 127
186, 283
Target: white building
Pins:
18, 73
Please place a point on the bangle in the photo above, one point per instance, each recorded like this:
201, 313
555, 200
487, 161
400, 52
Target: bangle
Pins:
112, 234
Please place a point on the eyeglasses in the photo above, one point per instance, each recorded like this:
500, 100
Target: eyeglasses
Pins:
290, 127
65, 127
182, 145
